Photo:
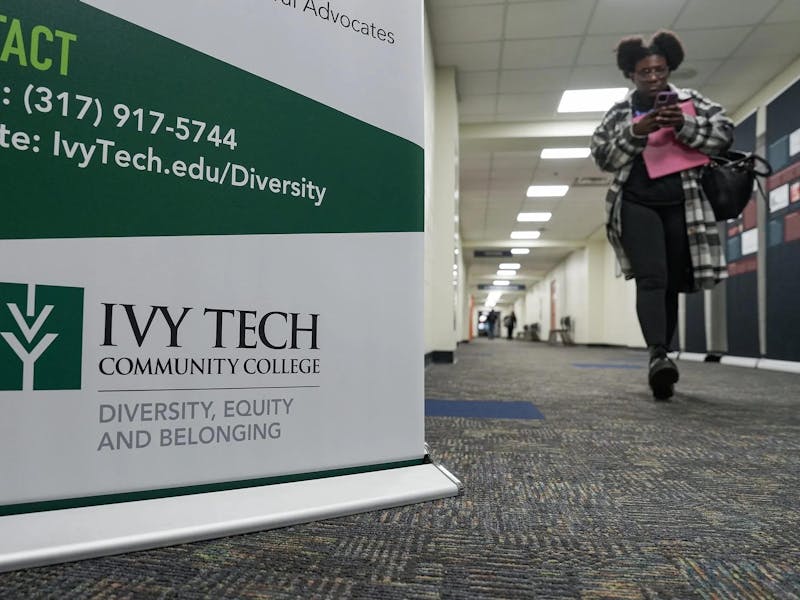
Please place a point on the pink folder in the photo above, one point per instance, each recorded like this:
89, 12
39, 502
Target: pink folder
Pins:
665, 154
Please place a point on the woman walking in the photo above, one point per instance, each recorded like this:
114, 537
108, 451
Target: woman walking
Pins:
659, 222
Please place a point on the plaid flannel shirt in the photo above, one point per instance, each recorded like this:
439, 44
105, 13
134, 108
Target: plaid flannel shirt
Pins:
614, 146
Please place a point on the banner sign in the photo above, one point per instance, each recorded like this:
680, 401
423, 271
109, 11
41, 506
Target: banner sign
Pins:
192, 197
492, 253
512, 287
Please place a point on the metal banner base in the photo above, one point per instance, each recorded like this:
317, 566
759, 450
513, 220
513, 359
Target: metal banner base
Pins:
42, 538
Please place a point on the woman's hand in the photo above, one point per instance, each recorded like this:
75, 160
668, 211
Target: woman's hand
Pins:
647, 124
669, 116
665, 116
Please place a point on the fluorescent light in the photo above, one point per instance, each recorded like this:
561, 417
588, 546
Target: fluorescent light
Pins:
506, 273
547, 191
525, 235
597, 100
513, 266
565, 152
534, 217
520, 251
501, 282
492, 299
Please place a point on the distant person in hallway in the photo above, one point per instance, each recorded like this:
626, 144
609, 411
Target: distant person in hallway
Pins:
491, 323
510, 323
662, 229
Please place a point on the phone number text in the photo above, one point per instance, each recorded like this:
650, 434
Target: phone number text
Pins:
43, 100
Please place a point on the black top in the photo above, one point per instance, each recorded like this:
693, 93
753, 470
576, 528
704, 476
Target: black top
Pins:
639, 187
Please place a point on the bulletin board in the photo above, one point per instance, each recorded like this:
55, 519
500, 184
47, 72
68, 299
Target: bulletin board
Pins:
741, 253
783, 227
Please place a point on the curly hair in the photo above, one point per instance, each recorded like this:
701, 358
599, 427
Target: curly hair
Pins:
665, 43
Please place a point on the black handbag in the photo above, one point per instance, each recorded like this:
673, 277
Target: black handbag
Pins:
728, 181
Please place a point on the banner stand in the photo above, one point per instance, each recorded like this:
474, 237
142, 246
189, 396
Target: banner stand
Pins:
37, 539
183, 307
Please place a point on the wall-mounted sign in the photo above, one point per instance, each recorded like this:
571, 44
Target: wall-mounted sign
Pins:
514, 287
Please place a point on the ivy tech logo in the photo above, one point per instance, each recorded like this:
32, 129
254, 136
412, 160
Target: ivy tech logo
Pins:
41, 336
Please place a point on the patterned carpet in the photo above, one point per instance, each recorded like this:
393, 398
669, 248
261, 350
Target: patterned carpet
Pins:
611, 496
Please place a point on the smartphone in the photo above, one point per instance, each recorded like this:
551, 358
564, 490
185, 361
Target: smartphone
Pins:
665, 98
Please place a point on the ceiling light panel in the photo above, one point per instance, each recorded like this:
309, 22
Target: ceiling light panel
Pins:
525, 235
596, 100
534, 217
512, 266
553, 153
547, 191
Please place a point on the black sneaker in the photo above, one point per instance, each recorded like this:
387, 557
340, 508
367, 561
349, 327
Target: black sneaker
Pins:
662, 377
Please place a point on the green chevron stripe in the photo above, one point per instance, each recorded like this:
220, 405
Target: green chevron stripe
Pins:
28, 507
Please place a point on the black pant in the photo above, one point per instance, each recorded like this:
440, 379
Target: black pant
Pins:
655, 241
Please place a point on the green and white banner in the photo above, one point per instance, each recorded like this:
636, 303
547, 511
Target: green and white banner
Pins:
210, 244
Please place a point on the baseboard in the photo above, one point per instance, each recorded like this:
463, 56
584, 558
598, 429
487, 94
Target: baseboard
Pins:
440, 357
787, 366
692, 356
739, 361
446, 357
768, 364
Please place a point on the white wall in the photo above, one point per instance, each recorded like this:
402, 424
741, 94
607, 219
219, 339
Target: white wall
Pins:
766, 94
444, 318
602, 306
570, 296
575, 301
442, 242
537, 305
430, 86
462, 299
535, 309
596, 281
520, 310
620, 324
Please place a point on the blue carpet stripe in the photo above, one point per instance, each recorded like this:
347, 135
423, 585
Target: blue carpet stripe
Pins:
482, 409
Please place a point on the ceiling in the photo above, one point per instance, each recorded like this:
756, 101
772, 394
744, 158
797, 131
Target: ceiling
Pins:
513, 59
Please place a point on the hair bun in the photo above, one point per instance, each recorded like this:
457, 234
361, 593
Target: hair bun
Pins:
668, 45
629, 50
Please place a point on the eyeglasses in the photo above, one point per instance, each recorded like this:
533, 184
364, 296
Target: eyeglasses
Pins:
657, 71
